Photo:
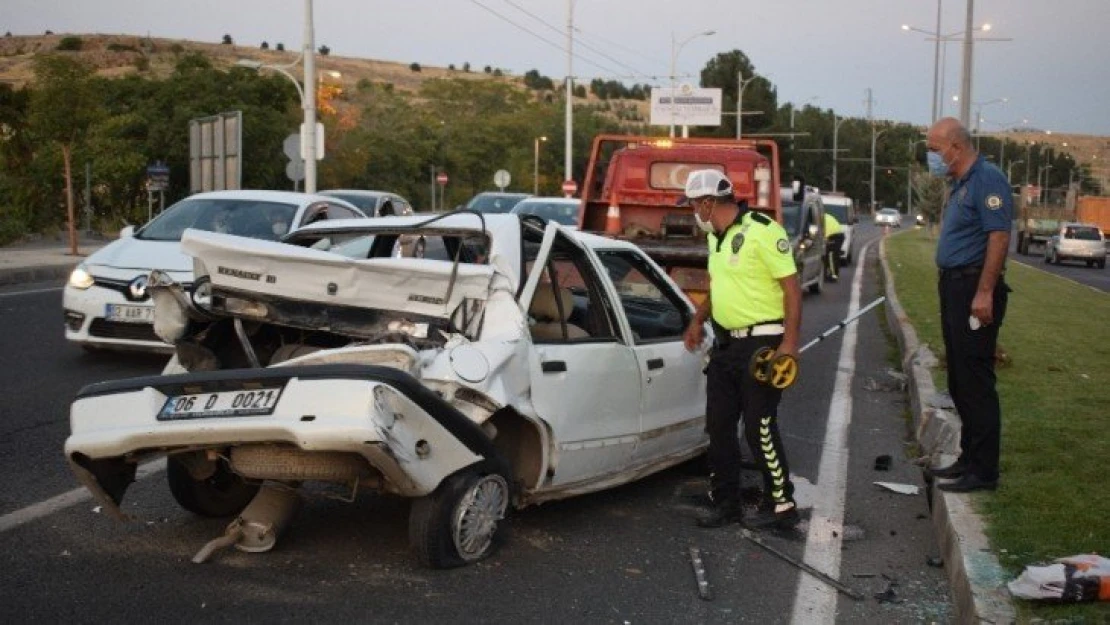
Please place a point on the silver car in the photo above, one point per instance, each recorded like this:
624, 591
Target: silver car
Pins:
888, 217
1076, 241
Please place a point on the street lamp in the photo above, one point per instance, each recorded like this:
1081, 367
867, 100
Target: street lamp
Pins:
979, 115
308, 96
793, 109
674, 56
874, 139
536, 167
836, 148
742, 85
940, 55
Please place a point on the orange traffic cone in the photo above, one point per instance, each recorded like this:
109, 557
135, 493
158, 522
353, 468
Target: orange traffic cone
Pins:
613, 220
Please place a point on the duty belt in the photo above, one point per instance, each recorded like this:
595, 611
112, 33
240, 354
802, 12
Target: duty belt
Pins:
965, 271
759, 329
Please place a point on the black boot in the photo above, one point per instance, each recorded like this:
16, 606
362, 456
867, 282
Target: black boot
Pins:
721, 514
779, 516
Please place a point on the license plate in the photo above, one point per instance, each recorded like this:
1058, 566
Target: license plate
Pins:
129, 313
220, 404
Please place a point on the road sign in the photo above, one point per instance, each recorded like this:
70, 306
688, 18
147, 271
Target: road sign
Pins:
570, 187
157, 177
294, 170
291, 147
441, 178
502, 178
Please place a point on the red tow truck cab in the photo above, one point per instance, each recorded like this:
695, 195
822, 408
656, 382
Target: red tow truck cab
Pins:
633, 184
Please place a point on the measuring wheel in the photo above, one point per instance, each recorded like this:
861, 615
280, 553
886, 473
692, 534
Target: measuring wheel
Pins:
777, 371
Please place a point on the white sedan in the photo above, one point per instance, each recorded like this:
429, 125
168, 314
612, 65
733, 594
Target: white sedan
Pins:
106, 302
888, 217
514, 363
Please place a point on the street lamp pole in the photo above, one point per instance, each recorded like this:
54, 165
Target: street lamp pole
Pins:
874, 139
936, 62
794, 109
674, 56
569, 131
742, 85
308, 133
836, 148
965, 82
536, 167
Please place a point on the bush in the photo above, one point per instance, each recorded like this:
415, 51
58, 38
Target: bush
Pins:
451, 67
280, 47
142, 63
487, 69
364, 85
414, 66
497, 72
121, 47
69, 44
177, 49
466, 66
324, 50
227, 40
265, 45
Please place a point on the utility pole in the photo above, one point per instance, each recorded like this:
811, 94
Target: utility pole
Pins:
570, 91
936, 60
309, 134
965, 82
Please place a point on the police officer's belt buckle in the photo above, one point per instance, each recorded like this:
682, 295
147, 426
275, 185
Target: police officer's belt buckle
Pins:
762, 329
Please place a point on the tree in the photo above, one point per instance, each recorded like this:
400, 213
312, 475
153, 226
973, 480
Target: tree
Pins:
724, 71
324, 50
414, 66
487, 69
69, 44
227, 41
265, 45
280, 47
63, 106
466, 66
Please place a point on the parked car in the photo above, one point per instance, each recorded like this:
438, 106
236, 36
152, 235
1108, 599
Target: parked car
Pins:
888, 217
803, 217
843, 209
526, 363
106, 301
495, 201
559, 209
1076, 241
373, 203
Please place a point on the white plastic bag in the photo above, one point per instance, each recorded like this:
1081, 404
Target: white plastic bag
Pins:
1070, 580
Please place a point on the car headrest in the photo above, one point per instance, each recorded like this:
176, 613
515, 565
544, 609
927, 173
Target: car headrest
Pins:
544, 307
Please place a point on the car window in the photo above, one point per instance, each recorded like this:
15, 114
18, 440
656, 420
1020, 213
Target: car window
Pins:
569, 304
494, 202
239, 216
366, 202
654, 311
1082, 233
336, 211
838, 211
565, 213
791, 216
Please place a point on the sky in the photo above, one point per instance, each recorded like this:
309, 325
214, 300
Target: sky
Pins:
1054, 71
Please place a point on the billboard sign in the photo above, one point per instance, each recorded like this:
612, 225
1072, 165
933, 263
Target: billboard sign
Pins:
215, 152
685, 105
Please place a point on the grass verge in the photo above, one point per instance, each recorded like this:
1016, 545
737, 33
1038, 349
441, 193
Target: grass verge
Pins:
1053, 499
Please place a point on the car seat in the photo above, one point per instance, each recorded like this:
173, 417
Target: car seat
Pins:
549, 321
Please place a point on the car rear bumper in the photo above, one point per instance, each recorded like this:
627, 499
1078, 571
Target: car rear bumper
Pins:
410, 435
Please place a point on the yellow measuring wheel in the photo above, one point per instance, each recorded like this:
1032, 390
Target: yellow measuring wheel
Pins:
776, 371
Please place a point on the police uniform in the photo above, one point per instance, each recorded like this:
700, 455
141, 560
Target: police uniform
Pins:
745, 265
834, 240
979, 203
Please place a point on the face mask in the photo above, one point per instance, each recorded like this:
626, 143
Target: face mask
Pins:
937, 166
705, 226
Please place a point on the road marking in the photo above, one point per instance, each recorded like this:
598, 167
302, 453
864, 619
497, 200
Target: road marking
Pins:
69, 499
1030, 265
32, 292
814, 601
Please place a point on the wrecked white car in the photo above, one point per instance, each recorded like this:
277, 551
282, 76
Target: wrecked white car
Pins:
497, 361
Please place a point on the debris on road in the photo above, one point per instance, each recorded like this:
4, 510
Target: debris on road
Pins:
901, 489
699, 574
883, 462
828, 579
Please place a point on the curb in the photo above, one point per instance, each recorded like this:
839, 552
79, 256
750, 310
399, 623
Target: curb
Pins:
35, 273
976, 577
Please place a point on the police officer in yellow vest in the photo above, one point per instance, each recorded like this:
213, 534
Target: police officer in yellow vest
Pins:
755, 301
834, 240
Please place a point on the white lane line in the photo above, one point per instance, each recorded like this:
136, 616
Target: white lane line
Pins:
815, 601
32, 292
68, 499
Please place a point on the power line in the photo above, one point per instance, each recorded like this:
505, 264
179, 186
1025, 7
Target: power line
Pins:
582, 43
636, 53
541, 37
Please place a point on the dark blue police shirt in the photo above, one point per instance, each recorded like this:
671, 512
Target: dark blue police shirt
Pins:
978, 203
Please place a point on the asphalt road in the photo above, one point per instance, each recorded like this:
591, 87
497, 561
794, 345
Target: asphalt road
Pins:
1077, 271
614, 557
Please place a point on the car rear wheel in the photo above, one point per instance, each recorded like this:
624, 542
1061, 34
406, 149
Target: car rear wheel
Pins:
462, 521
818, 285
221, 494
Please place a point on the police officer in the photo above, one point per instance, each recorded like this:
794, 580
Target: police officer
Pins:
974, 238
754, 301
834, 240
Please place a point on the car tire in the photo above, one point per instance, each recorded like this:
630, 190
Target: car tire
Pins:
819, 285
222, 494
1047, 258
462, 521
1102, 264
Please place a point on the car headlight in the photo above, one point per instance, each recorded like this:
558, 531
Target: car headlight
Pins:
80, 278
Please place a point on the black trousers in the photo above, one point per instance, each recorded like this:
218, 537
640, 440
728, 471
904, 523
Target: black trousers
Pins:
971, 379
832, 254
733, 394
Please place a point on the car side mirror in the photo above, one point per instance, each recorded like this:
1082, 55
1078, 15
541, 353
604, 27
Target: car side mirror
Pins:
798, 188
812, 230
127, 232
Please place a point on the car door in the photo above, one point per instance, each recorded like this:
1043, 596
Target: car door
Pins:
813, 235
585, 383
672, 385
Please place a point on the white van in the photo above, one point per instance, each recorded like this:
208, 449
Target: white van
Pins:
843, 209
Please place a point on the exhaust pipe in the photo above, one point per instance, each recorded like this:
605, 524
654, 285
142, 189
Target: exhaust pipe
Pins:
258, 526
